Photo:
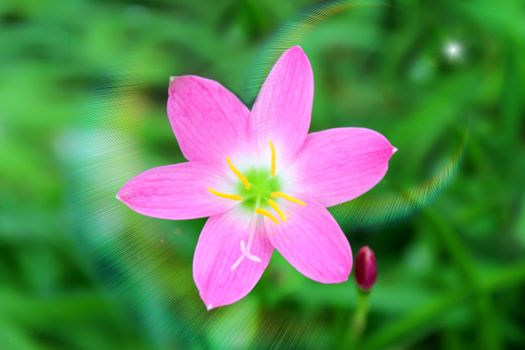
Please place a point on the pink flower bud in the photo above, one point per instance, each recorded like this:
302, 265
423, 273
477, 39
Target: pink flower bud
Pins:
365, 268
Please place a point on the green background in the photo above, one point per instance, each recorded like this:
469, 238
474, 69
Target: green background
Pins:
83, 88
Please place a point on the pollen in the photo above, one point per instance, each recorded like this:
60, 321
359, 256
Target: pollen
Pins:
288, 198
236, 171
267, 214
278, 210
234, 197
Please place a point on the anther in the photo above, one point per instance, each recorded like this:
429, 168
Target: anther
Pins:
236, 171
275, 207
272, 165
267, 214
234, 197
288, 198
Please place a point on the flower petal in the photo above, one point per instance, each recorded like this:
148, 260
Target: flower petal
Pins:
219, 281
176, 192
208, 120
283, 109
312, 241
338, 165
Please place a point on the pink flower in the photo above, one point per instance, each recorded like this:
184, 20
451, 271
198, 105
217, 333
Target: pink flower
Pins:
262, 179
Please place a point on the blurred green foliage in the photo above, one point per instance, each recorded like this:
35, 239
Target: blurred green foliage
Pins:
83, 87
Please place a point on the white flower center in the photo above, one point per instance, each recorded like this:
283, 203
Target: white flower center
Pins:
259, 191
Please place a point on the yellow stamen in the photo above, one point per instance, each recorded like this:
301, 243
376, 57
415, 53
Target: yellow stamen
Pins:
275, 207
236, 171
267, 214
235, 197
272, 169
288, 198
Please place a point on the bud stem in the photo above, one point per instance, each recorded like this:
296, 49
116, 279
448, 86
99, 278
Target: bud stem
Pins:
357, 323
361, 313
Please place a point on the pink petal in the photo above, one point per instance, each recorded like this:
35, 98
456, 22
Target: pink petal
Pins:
176, 192
338, 165
283, 109
219, 280
312, 241
207, 119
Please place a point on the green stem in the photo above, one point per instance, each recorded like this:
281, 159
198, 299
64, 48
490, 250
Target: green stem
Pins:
359, 319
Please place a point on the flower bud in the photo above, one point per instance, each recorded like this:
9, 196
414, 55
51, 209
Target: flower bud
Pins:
365, 268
